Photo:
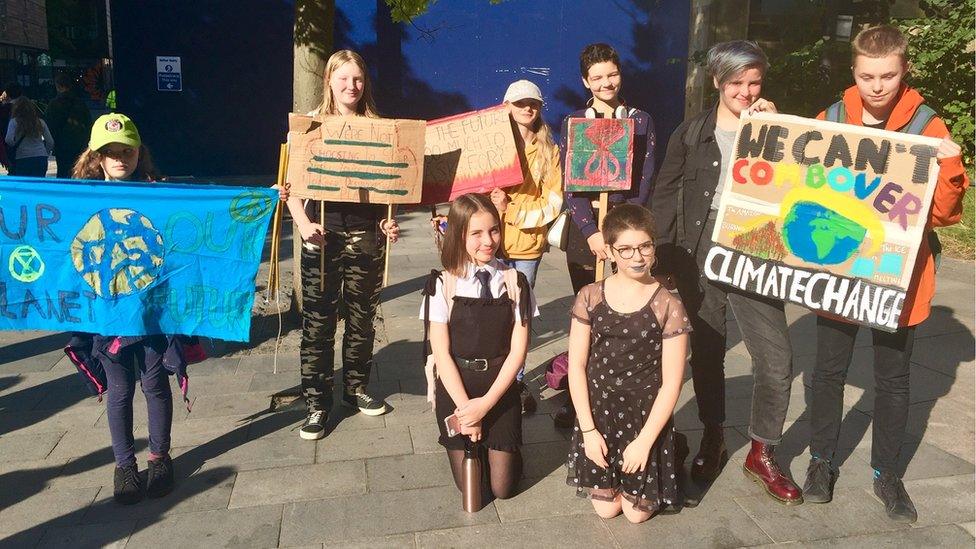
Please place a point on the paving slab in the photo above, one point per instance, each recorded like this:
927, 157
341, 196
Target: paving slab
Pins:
948, 535
113, 535
45, 509
28, 447
202, 491
407, 472
579, 531
402, 541
717, 522
942, 500
378, 514
301, 483
540, 498
256, 527
853, 511
342, 446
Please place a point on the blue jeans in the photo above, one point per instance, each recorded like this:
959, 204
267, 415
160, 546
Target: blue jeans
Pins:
528, 267
33, 166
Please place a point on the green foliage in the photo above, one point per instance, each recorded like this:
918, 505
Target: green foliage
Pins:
941, 45
404, 11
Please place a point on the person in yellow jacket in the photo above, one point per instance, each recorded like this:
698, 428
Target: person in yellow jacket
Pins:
527, 210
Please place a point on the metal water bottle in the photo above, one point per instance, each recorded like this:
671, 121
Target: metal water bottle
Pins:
471, 479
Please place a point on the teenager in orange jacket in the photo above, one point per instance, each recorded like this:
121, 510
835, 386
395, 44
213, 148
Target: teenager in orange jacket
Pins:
880, 99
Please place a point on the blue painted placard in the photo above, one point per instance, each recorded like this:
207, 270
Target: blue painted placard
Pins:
130, 258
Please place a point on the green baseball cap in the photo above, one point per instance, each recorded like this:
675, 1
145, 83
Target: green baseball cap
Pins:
113, 128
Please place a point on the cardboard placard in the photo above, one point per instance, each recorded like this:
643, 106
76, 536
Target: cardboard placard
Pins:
356, 159
829, 216
470, 152
600, 155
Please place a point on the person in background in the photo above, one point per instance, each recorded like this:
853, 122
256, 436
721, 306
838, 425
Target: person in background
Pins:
69, 119
28, 139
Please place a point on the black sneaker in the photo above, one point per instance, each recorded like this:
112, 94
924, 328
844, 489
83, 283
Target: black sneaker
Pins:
528, 401
890, 490
819, 486
160, 480
128, 486
314, 426
366, 404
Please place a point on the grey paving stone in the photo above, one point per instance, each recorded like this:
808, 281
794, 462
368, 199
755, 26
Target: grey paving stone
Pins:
196, 431
111, 535
413, 412
81, 441
202, 491
252, 527
717, 522
46, 421
544, 459
539, 428
927, 461
268, 382
240, 404
261, 453
27, 447
287, 362
852, 512
948, 535
301, 483
579, 531
540, 498
407, 472
969, 527
140, 414
44, 509
424, 438
951, 354
942, 500
217, 384
214, 367
378, 514
40, 362
342, 446
385, 542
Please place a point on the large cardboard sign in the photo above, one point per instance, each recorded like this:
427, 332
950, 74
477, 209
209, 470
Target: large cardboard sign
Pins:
356, 159
600, 154
829, 216
470, 152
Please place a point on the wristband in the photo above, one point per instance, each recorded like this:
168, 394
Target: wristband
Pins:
588, 430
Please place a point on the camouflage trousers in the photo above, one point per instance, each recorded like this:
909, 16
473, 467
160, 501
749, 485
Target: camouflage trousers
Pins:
354, 275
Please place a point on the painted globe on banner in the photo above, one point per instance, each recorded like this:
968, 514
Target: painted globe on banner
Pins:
118, 252
817, 234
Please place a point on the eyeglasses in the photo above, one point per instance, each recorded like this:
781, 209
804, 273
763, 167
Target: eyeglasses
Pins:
646, 249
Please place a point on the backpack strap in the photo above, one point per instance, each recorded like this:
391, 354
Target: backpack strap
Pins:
923, 115
837, 113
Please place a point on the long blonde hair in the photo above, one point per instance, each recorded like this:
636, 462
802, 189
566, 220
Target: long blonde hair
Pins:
28, 119
366, 106
547, 149
89, 166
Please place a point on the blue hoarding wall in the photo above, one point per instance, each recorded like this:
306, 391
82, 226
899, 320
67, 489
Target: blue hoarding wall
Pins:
236, 72
462, 54
237, 66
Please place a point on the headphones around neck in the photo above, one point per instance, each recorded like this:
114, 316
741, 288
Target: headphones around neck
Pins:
620, 112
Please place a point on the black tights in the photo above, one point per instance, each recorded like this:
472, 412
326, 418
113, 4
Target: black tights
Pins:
504, 470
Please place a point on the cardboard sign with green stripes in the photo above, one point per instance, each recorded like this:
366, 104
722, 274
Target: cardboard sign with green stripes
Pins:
356, 159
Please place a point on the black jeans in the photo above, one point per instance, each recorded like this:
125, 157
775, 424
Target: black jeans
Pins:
762, 323
892, 364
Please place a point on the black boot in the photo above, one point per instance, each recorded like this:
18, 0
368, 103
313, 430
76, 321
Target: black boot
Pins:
160, 480
128, 485
892, 494
711, 456
819, 486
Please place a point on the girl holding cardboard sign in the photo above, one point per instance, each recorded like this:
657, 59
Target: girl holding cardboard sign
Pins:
353, 236
600, 71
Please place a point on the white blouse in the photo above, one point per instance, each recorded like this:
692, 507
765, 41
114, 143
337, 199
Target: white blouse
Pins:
470, 286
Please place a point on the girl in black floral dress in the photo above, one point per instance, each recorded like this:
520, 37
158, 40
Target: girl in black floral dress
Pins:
627, 350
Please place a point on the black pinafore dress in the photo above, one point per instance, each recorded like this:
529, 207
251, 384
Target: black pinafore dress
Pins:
482, 328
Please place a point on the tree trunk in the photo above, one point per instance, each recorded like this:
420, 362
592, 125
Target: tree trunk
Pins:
710, 22
313, 40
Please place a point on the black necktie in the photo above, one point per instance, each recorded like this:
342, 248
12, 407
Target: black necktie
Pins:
485, 278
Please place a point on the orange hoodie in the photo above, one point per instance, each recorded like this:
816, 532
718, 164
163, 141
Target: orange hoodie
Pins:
946, 203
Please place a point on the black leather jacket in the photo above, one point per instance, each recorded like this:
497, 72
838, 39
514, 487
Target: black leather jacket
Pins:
683, 193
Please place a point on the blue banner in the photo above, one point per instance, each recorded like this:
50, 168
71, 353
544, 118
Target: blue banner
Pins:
130, 258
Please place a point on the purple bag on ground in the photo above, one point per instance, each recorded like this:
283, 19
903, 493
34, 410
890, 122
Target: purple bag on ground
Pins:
557, 372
